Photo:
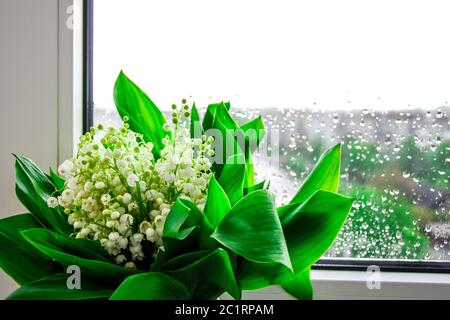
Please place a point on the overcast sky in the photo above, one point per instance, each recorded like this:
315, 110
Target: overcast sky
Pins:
330, 54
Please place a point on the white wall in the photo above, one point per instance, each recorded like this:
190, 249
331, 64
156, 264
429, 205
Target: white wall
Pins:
28, 94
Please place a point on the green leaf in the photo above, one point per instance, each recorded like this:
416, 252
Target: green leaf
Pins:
252, 229
144, 116
18, 258
85, 253
33, 188
249, 179
54, 287
223, 116
211, 113
151, 286
325, 175
228, 145
312, 228
254, 132
181, 220
182, 231
88, 248
254, 275
31, 169
243, 140
217, 204
300, 286
255, 187
197, 270
196, 125
309, 229
232, 178
57, 180
142, 207
186, 230
205, 242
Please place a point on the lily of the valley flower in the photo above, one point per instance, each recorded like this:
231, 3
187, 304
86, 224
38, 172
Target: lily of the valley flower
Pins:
116, 192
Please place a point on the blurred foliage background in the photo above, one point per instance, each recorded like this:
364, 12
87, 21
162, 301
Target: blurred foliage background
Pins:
394, 200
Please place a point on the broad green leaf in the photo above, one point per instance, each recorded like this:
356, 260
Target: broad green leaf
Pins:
151, 286
254, 275
227, 151
209, 116
33, 188
249, 179
184, 260
144, 116
181, 220
75, 252
202, 239
31, 169
255, 187
312, 228
232, 178
254, 132
195, 125
182, 231
229, 130
54, 287
252, 229
309, 229
205, 242
187, 230
325, 175
238, 140
223, 116
87, 248
300, 286
211, 113
141, 205
287, 209
18, 258
197, 238
57, 180
199, 269
217, 203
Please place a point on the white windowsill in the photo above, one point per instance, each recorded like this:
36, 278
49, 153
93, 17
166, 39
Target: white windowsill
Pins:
332, 284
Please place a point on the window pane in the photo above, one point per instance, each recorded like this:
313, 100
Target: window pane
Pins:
373, 75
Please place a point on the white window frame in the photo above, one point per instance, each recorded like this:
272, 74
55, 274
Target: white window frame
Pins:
328, 284
70, 76
352, 285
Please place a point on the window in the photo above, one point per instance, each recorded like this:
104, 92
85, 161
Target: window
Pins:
372, 75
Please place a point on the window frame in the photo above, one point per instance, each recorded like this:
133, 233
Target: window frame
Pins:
88, 62
327, 264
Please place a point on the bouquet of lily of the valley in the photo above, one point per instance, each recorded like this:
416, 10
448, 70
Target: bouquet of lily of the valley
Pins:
166, 209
